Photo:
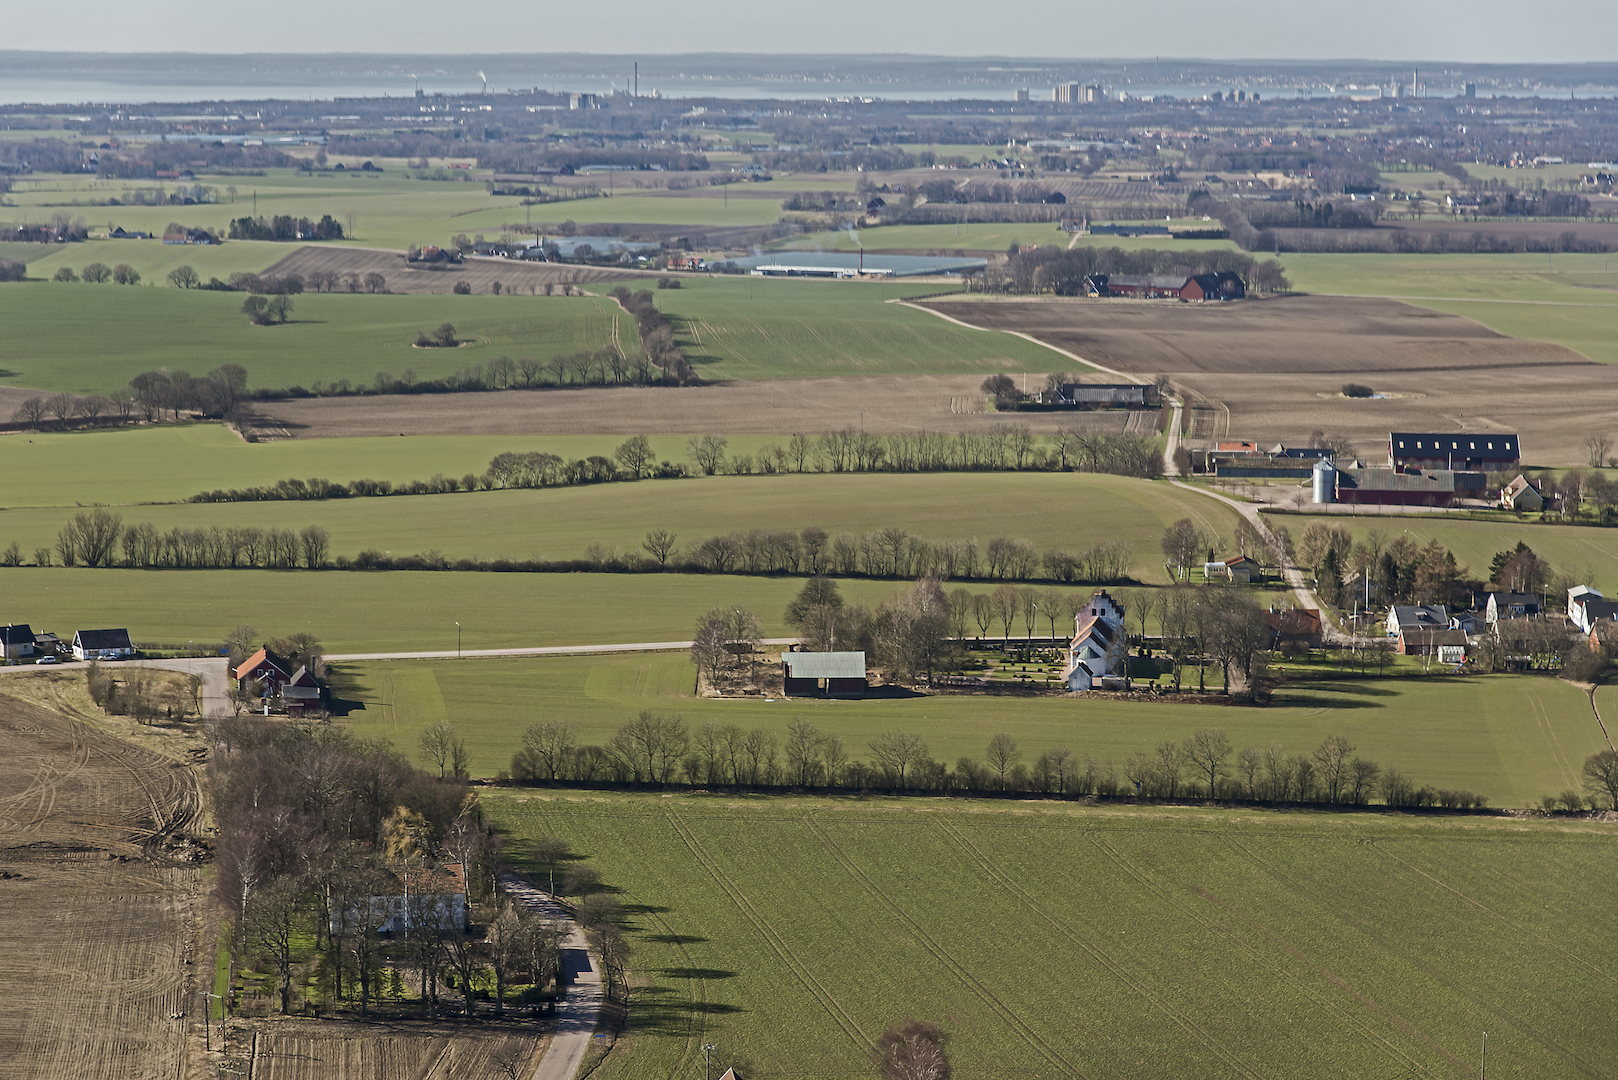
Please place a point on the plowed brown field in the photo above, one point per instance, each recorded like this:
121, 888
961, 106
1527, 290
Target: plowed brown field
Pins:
94, 946
883, 404
1273, 370
480, 274
315, 1050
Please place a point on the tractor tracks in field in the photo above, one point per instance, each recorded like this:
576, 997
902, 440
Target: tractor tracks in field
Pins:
1416, 963
771, 936
954, 966
1117, 970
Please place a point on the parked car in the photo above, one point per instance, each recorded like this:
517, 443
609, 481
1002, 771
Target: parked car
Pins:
46, 660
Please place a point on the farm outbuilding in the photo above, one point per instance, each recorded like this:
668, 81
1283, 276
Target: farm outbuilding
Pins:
1221, 286
1393, 487
823, 674
1492, 451
1097, 395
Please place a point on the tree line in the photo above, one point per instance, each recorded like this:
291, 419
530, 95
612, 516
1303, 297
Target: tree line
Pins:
656, 335
661, 749
147, 397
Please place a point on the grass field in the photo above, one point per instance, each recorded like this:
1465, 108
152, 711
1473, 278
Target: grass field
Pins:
560, 523
989, 236
391, 209
1568, 299
1589, 553
1064, 941
746, 328
394, 611
1512, 738
172, 462
93, 338
153, 258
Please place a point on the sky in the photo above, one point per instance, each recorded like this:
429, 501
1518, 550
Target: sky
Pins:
1476, 31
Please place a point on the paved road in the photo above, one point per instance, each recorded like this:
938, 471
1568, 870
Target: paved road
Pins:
549, 650
576, 1016
1300, 588
214, 671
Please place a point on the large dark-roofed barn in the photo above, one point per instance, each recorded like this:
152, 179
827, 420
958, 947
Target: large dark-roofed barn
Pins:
823, 674
1492, 452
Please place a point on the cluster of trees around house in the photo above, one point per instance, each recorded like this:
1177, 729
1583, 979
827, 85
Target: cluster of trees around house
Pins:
314, 823
147, 397
285, 227
661, 749
1053, 269
98, 273
61, 229
656, 335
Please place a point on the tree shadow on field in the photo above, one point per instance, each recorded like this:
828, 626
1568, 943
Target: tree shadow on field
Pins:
666, 1010
7, 373
696, 973
676, 939
1335, 695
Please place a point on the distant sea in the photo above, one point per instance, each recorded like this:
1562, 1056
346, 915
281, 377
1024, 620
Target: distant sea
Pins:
70, 79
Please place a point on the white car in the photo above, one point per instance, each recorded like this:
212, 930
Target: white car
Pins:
46, 660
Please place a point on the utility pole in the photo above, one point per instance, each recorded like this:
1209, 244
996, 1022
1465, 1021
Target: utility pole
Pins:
1484, 1064
457, 640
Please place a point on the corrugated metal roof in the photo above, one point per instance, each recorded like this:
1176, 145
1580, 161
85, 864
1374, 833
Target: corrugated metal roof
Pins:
825, 665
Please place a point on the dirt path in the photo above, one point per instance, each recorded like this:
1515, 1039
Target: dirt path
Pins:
577, 1016
549, 650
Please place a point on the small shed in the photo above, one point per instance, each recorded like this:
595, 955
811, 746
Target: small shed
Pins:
102, 645
823, 674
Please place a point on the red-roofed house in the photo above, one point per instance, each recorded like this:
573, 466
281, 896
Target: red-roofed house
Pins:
265, 668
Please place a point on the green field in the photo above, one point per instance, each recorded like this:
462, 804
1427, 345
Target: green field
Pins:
393, 611
1568, 299
172, 462
391, 209
561, 522
1064, 941
747, 328
1513, 738
1588, 553
154, 259
94, 338
989, 236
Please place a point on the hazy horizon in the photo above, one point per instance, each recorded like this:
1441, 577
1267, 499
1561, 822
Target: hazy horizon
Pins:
1445, 31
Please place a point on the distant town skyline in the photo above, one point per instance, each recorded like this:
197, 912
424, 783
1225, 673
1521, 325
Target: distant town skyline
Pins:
1485, 31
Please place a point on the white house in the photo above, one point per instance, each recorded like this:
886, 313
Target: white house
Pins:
1100, 647
102, 645
1408, 618
1580, 612
416, 893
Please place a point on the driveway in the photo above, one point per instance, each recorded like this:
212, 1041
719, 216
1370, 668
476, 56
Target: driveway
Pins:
576, 1016
213, 670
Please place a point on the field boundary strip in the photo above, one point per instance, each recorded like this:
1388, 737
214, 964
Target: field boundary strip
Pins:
1548, 729
777, 943
1488, 1006
959, 970
1115, 968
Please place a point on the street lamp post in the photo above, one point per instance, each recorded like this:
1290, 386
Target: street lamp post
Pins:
707, 1071
457, 639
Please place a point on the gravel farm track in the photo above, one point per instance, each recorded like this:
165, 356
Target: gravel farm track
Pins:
100, 900
1273, 370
